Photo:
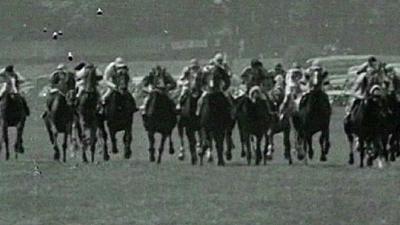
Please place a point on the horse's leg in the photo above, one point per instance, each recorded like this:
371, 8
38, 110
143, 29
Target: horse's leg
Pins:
205, 144
113, 138
229, 143
65, 146
380, 151
128, 142
323, 142
310, 147
287, 145
242, 141
161, 147
171, 144
181, 131
93, 141
219, 145
152, 150
392, 147
247, 141
269, 145
258, 149
192, 145
85, 143
361, 149
104, 136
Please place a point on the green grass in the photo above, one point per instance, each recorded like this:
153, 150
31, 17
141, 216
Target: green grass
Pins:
137, 192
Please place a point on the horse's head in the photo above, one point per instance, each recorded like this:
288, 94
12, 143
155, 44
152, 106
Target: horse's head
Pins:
122, 79
317, 77
91, 78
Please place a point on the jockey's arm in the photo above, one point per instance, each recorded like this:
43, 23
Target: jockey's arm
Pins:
20, 78
183, 79
362, 69
170, 82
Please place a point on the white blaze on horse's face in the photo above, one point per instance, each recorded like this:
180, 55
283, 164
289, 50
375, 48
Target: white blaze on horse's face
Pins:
315, 78
13, 86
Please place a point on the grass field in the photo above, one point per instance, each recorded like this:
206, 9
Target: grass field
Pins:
137, 192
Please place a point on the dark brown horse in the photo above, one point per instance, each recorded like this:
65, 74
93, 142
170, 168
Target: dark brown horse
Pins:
253, 120
215, 112
13, 113
59, 116
118, 114
88, 118
313, 116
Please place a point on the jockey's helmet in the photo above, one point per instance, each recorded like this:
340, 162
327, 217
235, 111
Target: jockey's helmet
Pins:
278, 66
61, 67
119, 62
9, 68
256, 63
194, 63
219, 58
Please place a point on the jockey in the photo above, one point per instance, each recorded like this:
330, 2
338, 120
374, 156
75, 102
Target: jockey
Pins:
278, 70
294, 89
189, 81
254, 78
158, 80
109, 73
8, 74
317, 67
224, 85
359, 88
57, 84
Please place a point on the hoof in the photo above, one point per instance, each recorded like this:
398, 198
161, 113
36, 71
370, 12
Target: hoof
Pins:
194, 161
152, 158
323, 158
243, 154
57, 156
310, 154
221, 163
351, 159
171, 151
370, 162
115, 150
300, 157
128, 154
229, 155
106, 157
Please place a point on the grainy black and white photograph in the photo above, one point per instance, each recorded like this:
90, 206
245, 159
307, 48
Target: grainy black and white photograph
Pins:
199, 112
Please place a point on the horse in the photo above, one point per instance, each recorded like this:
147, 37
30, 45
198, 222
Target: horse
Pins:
189, 124
366, 122
313, 115
118, 114
277, 125
13, 113
215, 113
59, 116
253, 121
88, 118
160, 117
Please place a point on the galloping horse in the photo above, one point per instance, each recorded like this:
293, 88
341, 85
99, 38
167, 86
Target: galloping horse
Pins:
275, 98
59, 116
366, 122
13, 113
160, 116
88, 119
215, 112
253, 120
189, 123
313, 116
118, 114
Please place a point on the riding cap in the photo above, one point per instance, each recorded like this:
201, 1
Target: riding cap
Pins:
9, 68
61, 67
194, 62
278, 66
372, 59
119, 62
256, 63
218, 58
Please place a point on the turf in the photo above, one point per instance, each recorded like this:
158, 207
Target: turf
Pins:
138, 192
